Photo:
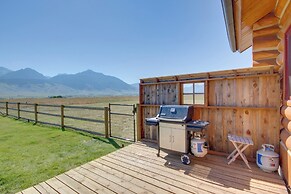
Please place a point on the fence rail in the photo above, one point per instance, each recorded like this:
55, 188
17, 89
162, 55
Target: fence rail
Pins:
116, 120
19, 110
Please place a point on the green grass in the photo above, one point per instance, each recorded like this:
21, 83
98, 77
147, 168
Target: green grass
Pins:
30, 154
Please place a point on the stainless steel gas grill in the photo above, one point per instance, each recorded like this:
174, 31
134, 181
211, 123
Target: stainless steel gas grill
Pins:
175, 125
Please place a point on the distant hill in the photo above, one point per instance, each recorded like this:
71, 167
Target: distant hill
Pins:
26, 73
22, 77
135, 85
90, 80
30, 83
4, 71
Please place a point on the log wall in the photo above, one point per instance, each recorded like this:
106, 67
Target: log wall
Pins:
245, 104
283, 13
285, 143
265, 41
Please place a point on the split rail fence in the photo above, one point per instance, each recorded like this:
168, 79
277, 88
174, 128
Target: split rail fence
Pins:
94, 120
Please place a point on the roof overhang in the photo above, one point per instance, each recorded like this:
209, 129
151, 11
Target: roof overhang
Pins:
240, 15
229, 23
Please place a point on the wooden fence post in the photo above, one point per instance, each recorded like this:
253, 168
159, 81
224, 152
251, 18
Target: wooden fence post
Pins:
134, 110
35, 114
62, 117
6, 108
106, 110
110, 126
138, 122
18, 110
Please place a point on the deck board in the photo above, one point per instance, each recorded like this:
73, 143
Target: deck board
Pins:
30, 190
59, 186
164, 177
104, 179
224, 175
45, 188
75, 185
90, 183
137, 169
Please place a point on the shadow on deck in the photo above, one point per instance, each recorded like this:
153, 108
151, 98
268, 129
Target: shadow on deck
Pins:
137, 169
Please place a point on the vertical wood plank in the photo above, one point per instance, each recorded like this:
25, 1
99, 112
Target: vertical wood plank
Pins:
263, 98
206, 90
274, 122
153, 94
239, 93
211, 129
159, 94
138, 123
179, 93
218, 93
146, 95
239, 122
146, 128
254, 92
246, 128
211, 95
228, 129
219, 130
264, 128
228, 93
246, 91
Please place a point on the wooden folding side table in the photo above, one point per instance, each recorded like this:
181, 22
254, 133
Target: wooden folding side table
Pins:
240, 144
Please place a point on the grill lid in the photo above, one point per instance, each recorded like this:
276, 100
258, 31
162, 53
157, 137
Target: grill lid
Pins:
181, 113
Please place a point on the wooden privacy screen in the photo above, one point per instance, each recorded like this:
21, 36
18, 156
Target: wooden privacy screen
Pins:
245, 105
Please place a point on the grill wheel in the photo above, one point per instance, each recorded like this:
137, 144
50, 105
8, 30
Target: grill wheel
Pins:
185, 159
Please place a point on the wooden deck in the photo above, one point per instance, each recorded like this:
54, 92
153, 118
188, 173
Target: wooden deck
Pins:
137, 169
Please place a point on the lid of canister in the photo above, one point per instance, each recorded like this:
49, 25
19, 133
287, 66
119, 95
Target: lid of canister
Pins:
197, 140
268, 153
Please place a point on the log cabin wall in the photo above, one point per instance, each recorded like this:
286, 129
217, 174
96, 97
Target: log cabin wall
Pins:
269, 49
244, 102
268, 36
283, 12
265, 41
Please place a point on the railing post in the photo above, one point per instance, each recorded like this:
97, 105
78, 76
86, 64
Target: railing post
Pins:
35, 113
18, 110
6, 108
62, 117
110, 126
138, 122
134, 121
106, 110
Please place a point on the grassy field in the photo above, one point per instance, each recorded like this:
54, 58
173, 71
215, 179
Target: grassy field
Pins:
99, 101
121, 126
31, 154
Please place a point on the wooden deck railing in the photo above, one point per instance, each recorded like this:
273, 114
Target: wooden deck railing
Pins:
31, 112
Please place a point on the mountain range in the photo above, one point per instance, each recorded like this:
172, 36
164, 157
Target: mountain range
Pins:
30, 83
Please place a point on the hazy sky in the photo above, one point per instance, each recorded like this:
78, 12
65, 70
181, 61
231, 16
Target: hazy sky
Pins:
129, 39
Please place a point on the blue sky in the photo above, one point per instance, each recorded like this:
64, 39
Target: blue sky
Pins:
129, 39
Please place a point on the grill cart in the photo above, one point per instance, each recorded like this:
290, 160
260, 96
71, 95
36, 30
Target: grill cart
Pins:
175, 129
